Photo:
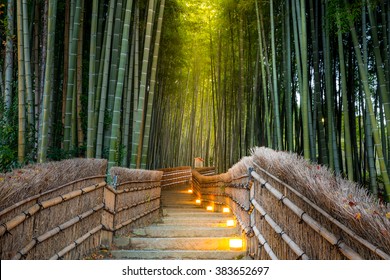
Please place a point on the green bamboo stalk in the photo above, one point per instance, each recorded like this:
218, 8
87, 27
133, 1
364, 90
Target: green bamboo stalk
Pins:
68, 141
275, 82
92, 82
21, 85
115, 132
104, 76
263, 77
128, 111
42, 149
152, 86
9, 56
139, 114
370, 107
343, 74
27, 66
113, 78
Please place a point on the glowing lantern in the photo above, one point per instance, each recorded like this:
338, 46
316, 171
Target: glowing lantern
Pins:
190, 191
209, 208
198, 201
230, 223
235, 243
226, 210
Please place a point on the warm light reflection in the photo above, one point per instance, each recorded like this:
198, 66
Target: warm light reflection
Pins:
230, 223
226, 210
235, 243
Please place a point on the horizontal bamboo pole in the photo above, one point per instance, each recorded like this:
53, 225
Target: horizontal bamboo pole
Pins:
176, 178
56, 230
294, 246
136, 189
136, 204
330, 237
138, 182
35, 197
129, 221
45, 204
347, 230
174, 183
77, 242
264, 243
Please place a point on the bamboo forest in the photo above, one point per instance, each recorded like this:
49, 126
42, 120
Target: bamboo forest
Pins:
155, 83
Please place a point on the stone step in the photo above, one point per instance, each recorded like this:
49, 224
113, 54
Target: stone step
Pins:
195, 221
178, 243
177, 255
185, 231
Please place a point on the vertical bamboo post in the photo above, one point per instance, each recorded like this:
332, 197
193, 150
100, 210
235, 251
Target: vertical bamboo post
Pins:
108, 216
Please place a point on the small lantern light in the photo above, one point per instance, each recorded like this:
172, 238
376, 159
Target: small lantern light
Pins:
235, 243
230, 223
198, 201
190, 191
210, 208
226, 210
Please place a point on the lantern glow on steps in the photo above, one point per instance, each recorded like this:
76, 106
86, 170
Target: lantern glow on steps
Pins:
230, 223
235, 244
226, 210
210, 208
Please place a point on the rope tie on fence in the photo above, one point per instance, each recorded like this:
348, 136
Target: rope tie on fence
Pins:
75, 243
6, 231
63, 199
22, 256
80, 218
262, 185
28, 214
301, 217
281, 233
40, 205
282, 198
59, 227
82, 192
300, 256
338, 243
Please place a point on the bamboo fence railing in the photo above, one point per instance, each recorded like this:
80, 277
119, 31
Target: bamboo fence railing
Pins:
279, 221
70, 221
176, 176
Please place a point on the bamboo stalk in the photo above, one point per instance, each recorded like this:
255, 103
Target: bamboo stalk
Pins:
352, 234
330, 237
129, 221
294, 246
136, 204
265, 244
35, 197
46, 204
77, 242
55, 231
135, 189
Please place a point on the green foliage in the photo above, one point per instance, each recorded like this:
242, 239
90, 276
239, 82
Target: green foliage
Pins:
8, 138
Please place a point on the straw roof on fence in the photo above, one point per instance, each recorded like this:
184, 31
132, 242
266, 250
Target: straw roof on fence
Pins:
35, 179
135, 175
346, 201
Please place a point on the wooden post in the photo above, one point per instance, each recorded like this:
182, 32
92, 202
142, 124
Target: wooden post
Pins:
106, 236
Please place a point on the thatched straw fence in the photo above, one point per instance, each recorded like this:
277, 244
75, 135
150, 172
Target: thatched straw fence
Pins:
176, 176
206, 171
70, 220
291, 209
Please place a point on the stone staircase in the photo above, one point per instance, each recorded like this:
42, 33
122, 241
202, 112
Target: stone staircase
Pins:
185, 231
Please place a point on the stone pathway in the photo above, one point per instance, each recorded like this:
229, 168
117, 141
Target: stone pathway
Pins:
185, 231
